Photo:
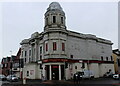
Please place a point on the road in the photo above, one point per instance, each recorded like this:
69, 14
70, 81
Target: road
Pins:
93, 82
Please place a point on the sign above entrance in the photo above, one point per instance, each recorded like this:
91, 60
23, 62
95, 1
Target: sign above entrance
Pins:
73, 60
58, 60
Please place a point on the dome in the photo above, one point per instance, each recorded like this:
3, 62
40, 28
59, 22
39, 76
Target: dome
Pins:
54, 6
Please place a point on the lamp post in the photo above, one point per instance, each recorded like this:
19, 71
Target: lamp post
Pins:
11, 65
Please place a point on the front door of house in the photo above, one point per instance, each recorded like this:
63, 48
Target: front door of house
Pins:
55, 72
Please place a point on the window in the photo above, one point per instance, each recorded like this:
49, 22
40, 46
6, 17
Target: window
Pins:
27, 73
111, 58
29, 52
71, 56
22, 53
40, 49
54, 19
61, 20
46, 45
75, 67
34, 51
25, 59
106, 58
46, 21
40, 57
29, 59
25, 53
118, 61
63, 46
54, 46
40, 66
102, 58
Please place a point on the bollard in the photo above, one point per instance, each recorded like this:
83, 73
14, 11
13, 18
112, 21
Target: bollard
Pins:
24, 80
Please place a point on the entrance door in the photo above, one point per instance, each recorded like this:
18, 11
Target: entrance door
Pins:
55, 72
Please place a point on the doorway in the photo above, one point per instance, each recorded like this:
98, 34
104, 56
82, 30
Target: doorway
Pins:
55, 72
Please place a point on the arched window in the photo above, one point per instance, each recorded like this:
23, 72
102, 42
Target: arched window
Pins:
54, 19
46, 21
61, 20
54, 46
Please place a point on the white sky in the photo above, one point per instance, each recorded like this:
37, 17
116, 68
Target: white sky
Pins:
21, 19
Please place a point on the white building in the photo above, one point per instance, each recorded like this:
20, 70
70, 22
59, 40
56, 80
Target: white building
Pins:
48, 53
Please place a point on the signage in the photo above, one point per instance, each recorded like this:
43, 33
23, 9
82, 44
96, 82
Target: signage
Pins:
59, 60
55, 66
31, 72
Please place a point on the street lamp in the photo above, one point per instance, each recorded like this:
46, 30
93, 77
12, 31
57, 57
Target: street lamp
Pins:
11, 65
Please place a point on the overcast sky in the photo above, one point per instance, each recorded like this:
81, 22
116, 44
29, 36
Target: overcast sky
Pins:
21, 19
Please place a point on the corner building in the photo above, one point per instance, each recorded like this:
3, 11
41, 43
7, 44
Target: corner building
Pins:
58, 53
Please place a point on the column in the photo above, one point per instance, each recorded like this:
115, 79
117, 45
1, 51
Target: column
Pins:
50, 75
59, 72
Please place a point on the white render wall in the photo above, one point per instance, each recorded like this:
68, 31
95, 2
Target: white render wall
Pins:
98, 69
103, 68
34, 71
88, 49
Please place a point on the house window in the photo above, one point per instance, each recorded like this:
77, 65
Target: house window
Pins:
54, 46
40, 49
71, 56
27, 73
63, 46
106, 58
102, 58
61, 20
25, 53
46, 45
54, 19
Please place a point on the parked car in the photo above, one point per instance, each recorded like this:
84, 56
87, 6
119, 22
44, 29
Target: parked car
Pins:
12, 78
86, 74
116, 76
2, 77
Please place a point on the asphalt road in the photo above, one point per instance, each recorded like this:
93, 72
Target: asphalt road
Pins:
93, 82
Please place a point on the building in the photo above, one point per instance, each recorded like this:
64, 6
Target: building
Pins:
6, 66
57, 53
16, 65
116, 56
12, 65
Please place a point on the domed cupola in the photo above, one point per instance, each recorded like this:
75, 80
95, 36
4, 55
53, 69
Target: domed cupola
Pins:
54, 17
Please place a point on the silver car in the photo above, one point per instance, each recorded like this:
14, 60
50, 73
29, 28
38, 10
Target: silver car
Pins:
2, 77
12, 78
